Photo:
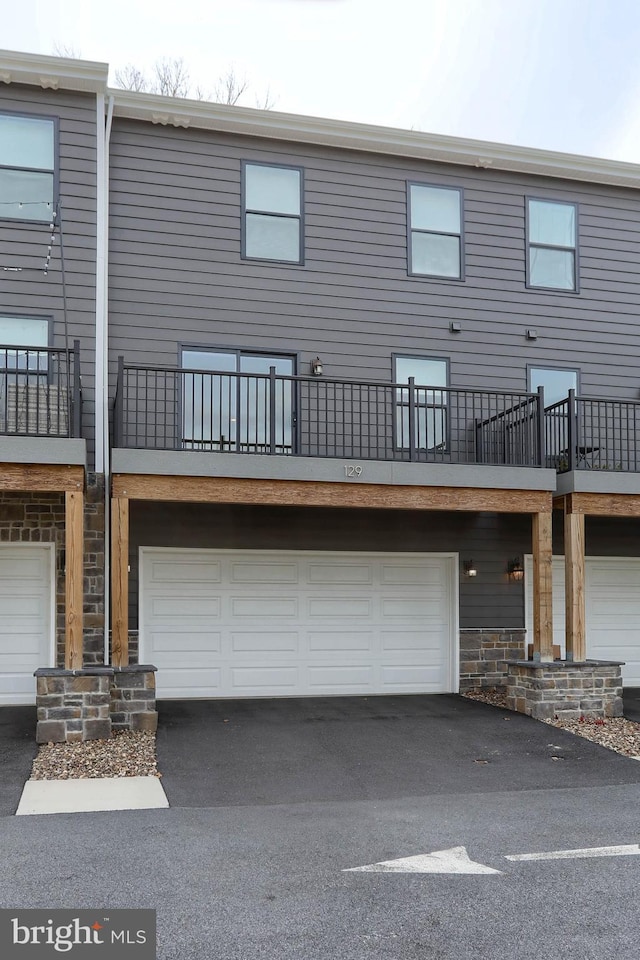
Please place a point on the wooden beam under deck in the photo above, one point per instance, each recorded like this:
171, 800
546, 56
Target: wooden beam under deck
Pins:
120, 582
311, 493
40, 477
603, 504
74, 578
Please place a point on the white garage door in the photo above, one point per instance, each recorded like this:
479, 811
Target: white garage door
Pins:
612, 610
26, 618
275, 623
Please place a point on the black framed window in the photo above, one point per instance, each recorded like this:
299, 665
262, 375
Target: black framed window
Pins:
232, 408
435, 231
20, 338
27, 167
430, 405
556, 381
272, 213
552, 245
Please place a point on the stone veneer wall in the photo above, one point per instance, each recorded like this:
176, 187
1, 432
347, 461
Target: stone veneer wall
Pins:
39, 518
564, 689
483, 656
92, 703
133, 698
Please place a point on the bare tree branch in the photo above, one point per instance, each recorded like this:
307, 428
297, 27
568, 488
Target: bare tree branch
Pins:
230, 87
131, 78
171, 78
67, 50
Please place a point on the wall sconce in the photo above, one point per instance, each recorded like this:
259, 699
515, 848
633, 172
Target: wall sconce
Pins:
469, 568
515, 569
316, 367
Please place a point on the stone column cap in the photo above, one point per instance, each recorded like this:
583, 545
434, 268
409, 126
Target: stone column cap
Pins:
564, 664
98, 671
135, 668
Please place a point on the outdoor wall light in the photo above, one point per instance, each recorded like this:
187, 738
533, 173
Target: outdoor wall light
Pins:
469, 568
316, 367
515, 569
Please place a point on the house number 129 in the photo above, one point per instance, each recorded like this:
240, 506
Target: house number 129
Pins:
351, 470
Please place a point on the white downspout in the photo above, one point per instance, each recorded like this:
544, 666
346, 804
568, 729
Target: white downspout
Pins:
103, 455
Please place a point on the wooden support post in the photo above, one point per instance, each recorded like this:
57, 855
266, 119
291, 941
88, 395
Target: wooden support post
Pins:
574, 574
74, 578
542, 586
120, 582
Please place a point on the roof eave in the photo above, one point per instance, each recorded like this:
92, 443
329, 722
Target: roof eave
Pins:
373, 139
53, 73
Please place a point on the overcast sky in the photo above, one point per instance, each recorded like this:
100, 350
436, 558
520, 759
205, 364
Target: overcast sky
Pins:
557, 74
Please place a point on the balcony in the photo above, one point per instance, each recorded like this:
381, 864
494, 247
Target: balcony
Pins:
41, 406
158, 408
594, 444
40, 394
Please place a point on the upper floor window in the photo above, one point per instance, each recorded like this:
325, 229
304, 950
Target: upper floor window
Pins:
27, 167
552, 244
435, 231
19, 339
430, 405
272, 213
556, 382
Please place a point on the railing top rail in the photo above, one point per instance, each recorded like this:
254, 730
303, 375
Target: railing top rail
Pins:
557, 404
31, 349
616, 400
437, 388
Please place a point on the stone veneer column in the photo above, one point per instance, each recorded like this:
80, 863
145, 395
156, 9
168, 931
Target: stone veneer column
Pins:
73, 705
592, 688
133, 698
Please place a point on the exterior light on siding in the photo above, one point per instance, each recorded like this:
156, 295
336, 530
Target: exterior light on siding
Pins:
316, 367
515, 569
455, 326
469, 568
532, 334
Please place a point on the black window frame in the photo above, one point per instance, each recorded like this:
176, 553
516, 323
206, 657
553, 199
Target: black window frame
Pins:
56, 166
550, 246
239, 352
270, 213
552, 366
398, 404
438, 233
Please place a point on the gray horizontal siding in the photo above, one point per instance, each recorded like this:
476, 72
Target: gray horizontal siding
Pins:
25, 244
490, 540
490, 600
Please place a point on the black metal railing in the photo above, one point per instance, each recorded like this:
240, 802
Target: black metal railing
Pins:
590, 433
159, 408
40, 391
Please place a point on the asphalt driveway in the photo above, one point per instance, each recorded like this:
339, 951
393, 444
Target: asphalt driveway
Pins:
251, 752
17, 750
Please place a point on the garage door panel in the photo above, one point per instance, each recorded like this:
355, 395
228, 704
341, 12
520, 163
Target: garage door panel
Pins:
429, 676
26, 618
612, 610
351, 678
295, 623
332, 641
242, 572
186, 641
187, 571
337, 608
264, 678
263, 607
176, 608
264, 642
339, 573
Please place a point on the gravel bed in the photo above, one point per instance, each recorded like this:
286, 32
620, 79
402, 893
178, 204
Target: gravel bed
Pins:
616, 733
126, 754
